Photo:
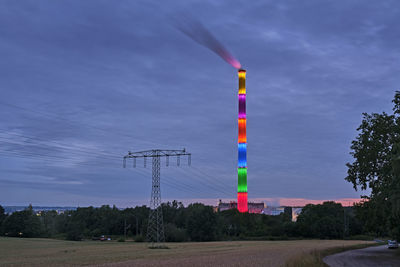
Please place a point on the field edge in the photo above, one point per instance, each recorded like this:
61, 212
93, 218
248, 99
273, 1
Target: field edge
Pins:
315, 257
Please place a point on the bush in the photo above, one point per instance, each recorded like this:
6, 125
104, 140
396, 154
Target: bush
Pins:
361, 237
201, 222
97, 232
175, 234
139, 238
74, 232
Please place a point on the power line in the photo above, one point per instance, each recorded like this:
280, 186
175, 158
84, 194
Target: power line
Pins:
63, 145
71, 122
210, 179
208, 185
75, 161
201, 187
174, 184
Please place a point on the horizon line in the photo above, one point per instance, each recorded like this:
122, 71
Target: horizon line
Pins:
273, 202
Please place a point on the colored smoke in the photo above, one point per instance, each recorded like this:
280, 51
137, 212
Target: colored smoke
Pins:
198, 33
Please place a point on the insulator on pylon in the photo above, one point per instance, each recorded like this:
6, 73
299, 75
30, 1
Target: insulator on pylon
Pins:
178, 161
134, 162
124, 163
167, 160
144, 161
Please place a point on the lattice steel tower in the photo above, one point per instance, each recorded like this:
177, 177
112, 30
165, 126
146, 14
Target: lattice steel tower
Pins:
155, 229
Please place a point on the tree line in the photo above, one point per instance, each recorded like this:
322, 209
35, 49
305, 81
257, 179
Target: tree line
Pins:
196, 222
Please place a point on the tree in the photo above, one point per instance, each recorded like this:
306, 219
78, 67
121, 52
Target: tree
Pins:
394, 193
201, 222
136, 217
23, 223
2, 218
376, 167
322, 220
174, 234
49, 220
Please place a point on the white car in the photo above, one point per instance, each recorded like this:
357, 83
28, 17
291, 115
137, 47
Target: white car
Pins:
392, 244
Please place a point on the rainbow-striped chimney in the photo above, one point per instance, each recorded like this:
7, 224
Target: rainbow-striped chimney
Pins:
242, 144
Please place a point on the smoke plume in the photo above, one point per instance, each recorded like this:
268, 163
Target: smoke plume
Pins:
198, 33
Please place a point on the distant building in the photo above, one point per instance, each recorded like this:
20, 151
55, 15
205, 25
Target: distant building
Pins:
38, 210
274, 211
254, 207
295, 213
226, 206
261, 208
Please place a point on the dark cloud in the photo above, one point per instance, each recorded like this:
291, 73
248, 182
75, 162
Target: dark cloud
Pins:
84, 82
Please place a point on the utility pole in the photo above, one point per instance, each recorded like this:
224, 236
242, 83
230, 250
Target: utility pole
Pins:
155, 228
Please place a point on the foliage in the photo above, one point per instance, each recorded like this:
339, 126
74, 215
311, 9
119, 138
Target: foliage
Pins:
376, 166
3, 216
23, 223
322, 221
200, 222
197, 222
139, 238
174, 234
74, 231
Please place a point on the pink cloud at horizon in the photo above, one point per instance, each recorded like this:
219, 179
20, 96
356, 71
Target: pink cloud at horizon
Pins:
274, 202
303, 201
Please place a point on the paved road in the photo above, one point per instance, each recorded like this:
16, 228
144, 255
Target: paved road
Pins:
367, 257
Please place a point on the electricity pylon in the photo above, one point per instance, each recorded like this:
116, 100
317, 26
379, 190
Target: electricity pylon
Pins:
155, 229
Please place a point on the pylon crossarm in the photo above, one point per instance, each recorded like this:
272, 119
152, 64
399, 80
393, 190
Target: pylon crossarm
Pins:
157, 153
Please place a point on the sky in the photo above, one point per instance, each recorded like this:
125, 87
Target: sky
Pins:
84, 82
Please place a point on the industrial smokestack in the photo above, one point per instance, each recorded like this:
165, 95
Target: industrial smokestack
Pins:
242, 145
198, 33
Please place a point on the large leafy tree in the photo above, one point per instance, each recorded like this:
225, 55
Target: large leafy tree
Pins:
322, 221
201, 222
376, 169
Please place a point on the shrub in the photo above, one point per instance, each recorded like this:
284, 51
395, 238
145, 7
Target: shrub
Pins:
175, 234
139, 238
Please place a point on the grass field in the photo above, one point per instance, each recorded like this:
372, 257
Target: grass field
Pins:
49, 252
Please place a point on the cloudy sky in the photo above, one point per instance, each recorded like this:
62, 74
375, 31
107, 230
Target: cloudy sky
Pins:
84, 82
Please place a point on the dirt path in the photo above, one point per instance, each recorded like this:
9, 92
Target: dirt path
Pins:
367, 257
